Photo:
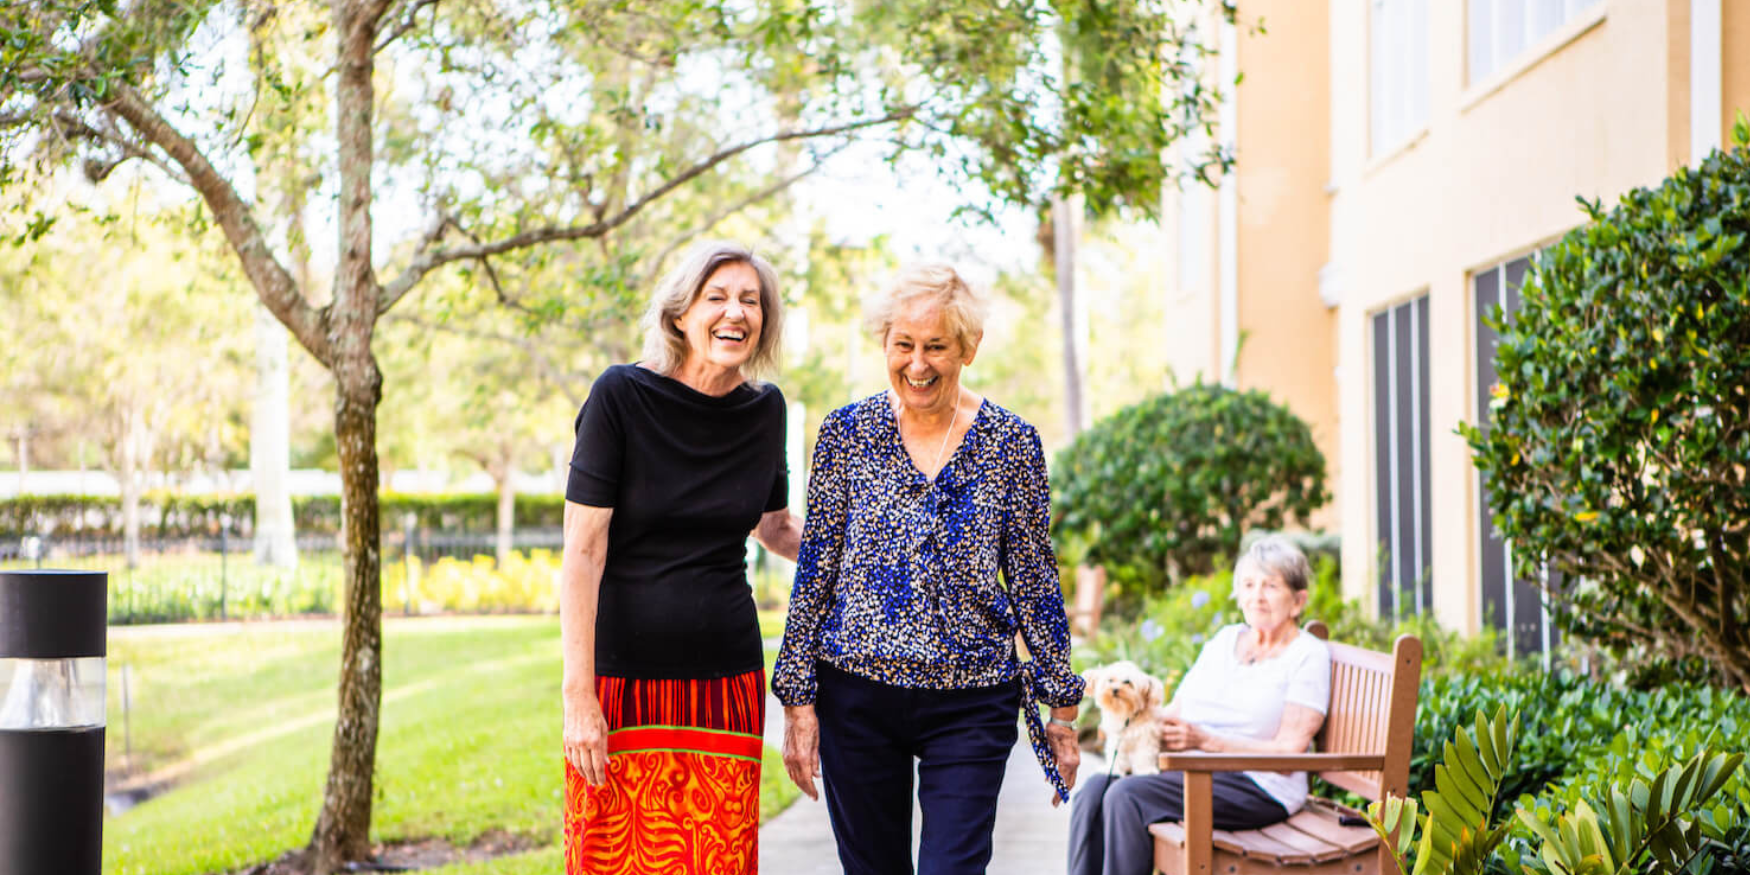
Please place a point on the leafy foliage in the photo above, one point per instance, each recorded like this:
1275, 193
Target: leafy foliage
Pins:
1456, 835
1170, 484
1619, 443
1651, 824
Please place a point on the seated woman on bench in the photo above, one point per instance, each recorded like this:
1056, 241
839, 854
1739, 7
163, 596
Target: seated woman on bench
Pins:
1261, 686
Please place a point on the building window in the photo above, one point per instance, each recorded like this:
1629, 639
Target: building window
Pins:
1403, 507
1501, 29
1399, 72
1517, 608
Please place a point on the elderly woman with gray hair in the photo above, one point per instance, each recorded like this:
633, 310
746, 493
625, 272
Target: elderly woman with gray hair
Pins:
678, 458
1261, 686
924, 552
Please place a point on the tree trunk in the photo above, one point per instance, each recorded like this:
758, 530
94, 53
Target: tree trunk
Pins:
270, 444
343, 828
501, 477
1066, 232
130, 485
23, 460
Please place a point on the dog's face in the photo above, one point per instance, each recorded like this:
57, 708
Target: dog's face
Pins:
1124, 690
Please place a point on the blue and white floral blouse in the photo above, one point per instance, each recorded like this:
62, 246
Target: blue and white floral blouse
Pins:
898, 576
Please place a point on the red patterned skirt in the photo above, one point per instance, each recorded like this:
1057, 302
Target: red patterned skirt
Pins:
683, 789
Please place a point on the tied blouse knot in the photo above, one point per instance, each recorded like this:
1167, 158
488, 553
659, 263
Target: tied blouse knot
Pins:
924, 584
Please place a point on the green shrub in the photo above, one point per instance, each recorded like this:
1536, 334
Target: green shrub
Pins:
1650, 815
1616, 448
1167, 487
1579, 737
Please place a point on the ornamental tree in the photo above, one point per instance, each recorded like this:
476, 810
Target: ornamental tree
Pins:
1618, 447
516, 130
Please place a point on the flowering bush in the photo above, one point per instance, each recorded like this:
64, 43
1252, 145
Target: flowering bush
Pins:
526, 583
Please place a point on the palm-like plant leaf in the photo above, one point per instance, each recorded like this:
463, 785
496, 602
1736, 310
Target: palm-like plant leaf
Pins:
1456, 838
1650, 827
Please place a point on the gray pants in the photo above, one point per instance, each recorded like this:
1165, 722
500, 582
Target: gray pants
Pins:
1109, 817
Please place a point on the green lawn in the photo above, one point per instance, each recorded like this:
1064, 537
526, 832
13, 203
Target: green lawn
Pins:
469, 739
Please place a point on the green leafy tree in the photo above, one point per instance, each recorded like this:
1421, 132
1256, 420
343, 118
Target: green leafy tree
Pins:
1618, 446
127, 334
1172, 483
507, 126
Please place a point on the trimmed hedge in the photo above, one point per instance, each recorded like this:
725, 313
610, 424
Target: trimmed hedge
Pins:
1167, 486
170, 515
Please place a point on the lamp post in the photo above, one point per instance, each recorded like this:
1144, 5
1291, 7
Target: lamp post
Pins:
52, 644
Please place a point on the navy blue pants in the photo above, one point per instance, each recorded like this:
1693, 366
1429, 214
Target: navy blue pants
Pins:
870, 735
1109, 817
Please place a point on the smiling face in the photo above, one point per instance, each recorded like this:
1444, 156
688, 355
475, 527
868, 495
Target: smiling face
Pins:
722, 325
924, 358
1266, 598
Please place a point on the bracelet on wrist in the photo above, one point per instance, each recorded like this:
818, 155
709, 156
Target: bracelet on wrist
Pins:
1058, 721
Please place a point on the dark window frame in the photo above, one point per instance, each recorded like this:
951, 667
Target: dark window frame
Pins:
1403, 459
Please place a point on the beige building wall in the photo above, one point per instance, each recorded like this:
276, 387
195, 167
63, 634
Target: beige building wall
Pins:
1330, 230
1191, 325
1735, 63
1591, 111
1282, 143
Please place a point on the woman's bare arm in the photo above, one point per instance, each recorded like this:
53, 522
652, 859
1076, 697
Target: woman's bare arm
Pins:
1299, 725
780, 532
580, 579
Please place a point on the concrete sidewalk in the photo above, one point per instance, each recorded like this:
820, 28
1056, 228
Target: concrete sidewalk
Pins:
1031, 836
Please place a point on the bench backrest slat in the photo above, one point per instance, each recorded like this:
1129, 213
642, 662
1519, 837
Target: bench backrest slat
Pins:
1373, 710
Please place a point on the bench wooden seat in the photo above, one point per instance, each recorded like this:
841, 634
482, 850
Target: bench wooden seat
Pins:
1364, 747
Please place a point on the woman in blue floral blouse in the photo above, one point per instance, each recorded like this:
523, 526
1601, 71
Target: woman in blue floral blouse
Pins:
925, 550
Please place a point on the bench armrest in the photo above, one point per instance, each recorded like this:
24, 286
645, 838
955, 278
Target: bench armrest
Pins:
1201, 761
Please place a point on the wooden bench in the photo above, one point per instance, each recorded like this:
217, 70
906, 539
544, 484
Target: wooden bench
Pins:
1364, 747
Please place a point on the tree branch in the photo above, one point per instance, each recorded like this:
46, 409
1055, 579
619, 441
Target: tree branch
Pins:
758, 196
428, 260
269, 277
561, 380
76, 128
406, 24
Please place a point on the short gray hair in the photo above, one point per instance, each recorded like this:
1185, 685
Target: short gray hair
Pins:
665, 347
1278, 556
962, 308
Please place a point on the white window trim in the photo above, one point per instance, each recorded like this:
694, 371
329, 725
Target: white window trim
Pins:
1531, 56
1403, 147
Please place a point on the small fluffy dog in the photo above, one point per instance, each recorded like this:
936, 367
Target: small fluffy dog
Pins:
1127, 697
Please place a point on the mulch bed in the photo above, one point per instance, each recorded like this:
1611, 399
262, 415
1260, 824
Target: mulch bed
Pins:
406, 856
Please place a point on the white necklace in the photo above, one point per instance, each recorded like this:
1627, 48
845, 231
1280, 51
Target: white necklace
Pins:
936, 463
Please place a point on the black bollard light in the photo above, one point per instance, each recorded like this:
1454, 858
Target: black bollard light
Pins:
52, 644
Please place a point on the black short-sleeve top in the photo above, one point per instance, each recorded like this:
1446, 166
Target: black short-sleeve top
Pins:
688, 476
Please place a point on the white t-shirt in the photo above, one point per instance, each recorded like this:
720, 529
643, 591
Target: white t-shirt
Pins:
1224, 696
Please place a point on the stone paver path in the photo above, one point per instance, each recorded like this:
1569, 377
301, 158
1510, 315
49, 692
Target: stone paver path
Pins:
1031, 836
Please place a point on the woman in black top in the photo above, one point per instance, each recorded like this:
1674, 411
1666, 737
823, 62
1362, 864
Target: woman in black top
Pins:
678, 457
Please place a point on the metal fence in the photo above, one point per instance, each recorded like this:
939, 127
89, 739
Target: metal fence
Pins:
215, 577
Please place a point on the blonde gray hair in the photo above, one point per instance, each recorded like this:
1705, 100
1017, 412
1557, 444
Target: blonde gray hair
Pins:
665, 347
1279, 557
962, 309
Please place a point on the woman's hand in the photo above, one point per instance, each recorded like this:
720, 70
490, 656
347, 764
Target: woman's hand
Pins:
802, 747
586, 737
1177, 734
1062, 740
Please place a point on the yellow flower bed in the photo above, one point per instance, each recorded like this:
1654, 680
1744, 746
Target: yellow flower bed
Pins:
526, 583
